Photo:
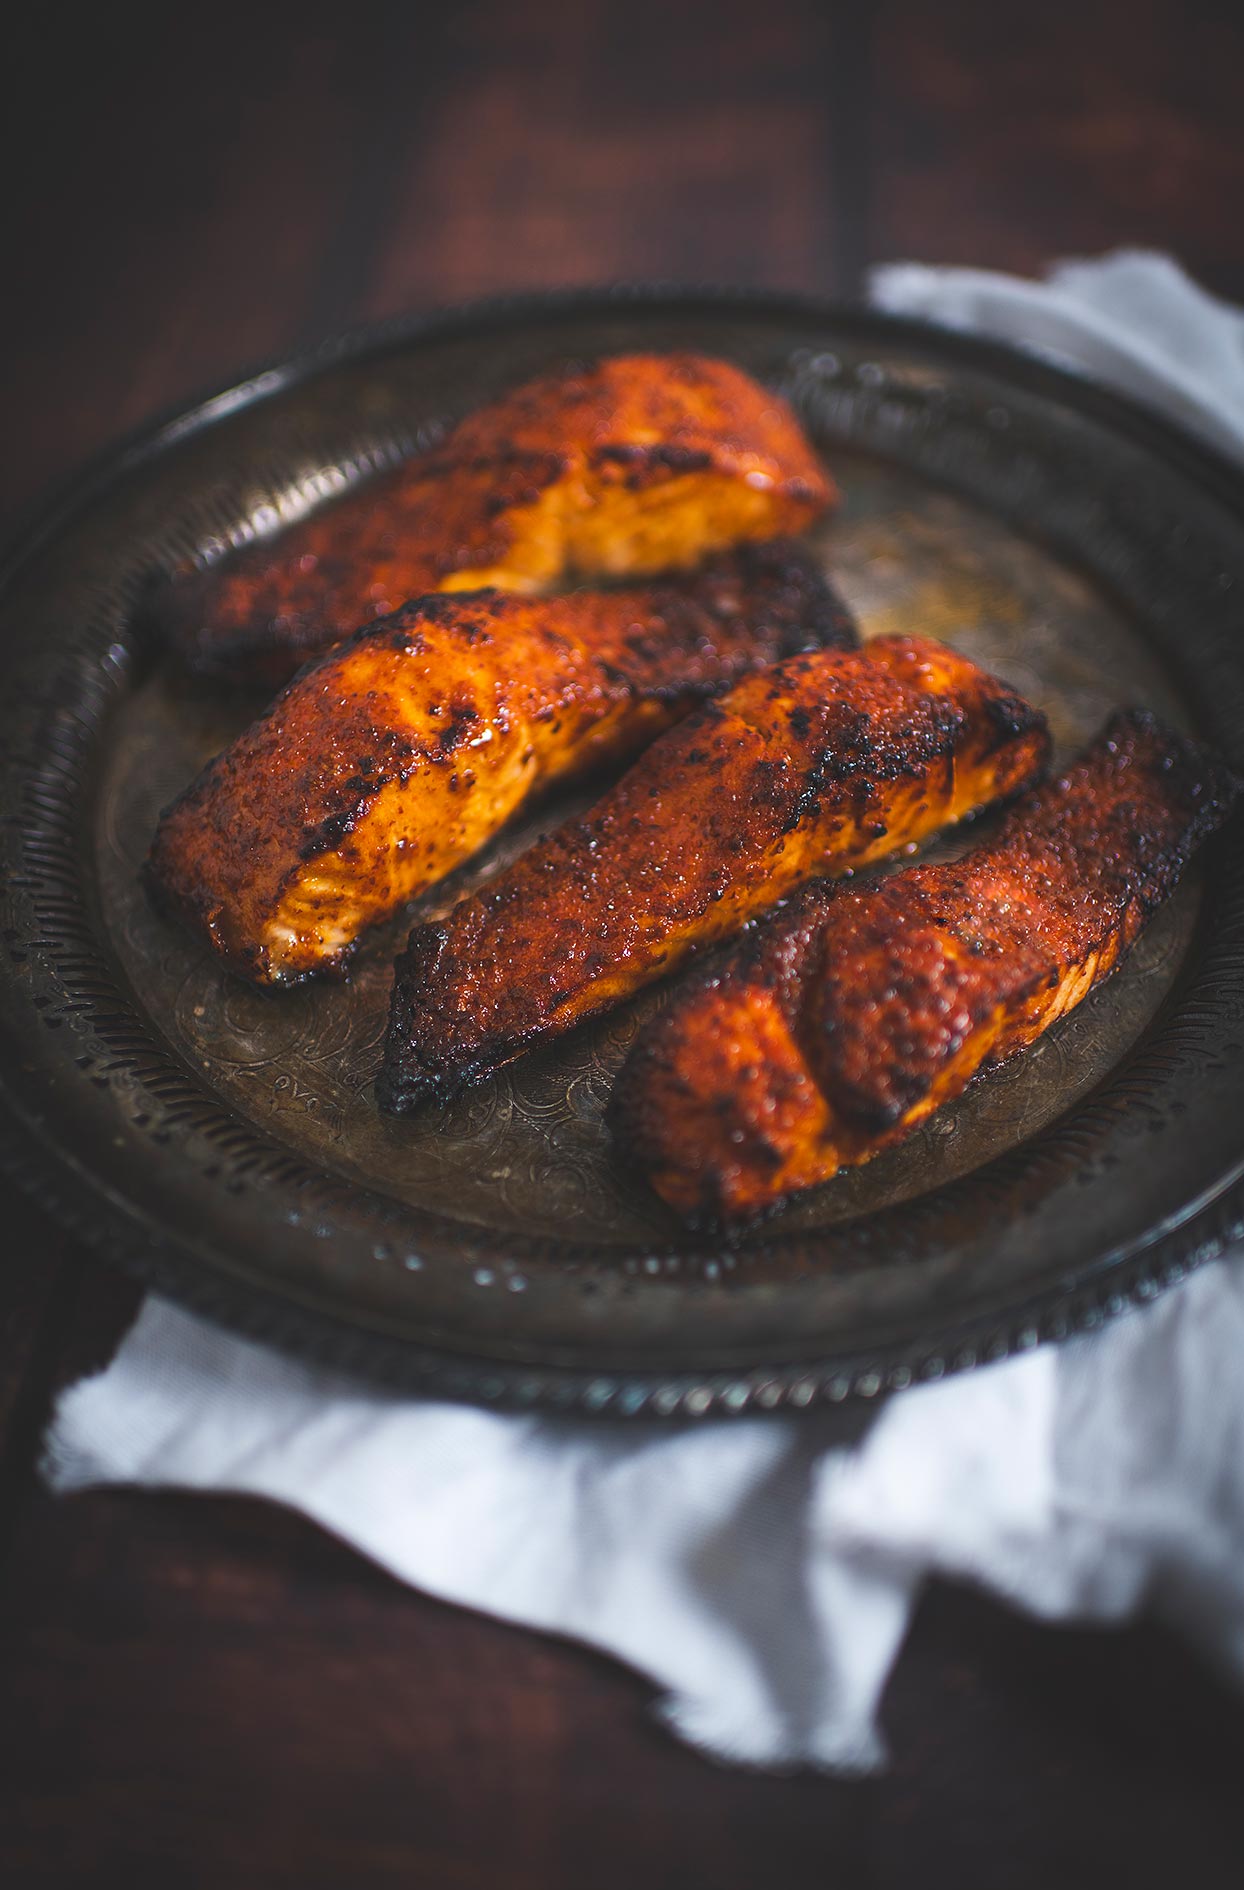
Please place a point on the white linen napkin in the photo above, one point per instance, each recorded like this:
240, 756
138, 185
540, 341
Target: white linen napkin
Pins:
763, 1571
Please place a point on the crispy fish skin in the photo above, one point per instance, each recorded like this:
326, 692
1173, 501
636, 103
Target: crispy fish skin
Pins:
389, 762
635, 465
822, 764
845, 1022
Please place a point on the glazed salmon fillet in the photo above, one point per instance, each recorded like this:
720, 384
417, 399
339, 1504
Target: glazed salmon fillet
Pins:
635, 465
389, 762
821, 764
854, 1014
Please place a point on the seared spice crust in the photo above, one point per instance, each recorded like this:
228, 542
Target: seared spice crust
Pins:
636, 464
847, 1020
396, 756
820, 765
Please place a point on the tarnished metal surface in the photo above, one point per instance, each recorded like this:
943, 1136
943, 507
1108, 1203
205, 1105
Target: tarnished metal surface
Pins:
229, 1137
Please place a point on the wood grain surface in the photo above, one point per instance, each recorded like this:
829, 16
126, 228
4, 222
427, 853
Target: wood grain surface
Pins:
199, 1691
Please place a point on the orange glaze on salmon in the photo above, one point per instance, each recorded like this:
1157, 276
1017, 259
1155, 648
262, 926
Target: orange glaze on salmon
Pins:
820, 765
634, 465
393, 759
852, 1015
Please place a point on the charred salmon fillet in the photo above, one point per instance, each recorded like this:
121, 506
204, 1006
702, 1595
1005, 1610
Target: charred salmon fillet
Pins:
819, 765
845, 1021
391, 760
638, 464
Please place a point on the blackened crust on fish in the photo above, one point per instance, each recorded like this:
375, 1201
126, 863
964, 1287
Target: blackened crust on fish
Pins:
637, 463
403, 1082
823, 763
844, 1022
388, 761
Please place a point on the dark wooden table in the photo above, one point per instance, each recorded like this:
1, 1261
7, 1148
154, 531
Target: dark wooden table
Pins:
201, 1691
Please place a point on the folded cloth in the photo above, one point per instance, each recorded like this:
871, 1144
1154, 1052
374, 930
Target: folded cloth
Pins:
1132, 320
762, 1571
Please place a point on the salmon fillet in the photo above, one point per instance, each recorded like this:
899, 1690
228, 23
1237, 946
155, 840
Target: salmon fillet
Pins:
846, 1021
822, 764
637, 464
389, 762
